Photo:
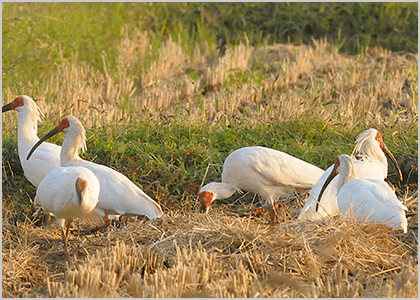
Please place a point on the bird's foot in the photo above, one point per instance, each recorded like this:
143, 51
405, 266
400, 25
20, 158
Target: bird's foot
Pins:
85, 232
66, 254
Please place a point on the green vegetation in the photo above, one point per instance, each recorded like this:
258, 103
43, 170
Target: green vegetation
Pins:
279, 97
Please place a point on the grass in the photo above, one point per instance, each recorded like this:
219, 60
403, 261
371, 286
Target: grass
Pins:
164, 106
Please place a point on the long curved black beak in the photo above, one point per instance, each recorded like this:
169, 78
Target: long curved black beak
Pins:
324, 187
7, 107
389, 154
55, 130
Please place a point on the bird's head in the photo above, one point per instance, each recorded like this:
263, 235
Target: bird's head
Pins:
388, 153
26, 107
343, 165
205, 199
15, 104
367, 144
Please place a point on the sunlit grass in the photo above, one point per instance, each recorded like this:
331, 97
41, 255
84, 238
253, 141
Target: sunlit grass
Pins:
165, 110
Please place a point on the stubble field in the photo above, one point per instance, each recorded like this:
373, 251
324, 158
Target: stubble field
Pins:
170, 127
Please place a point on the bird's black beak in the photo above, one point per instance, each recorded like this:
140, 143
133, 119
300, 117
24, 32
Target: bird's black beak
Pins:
203, 208
44, 138
324, 187
392, 158
7, 107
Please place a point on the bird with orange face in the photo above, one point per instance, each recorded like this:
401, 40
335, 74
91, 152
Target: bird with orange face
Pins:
118, 195
366, 199
371, 162
267, 172
68, 193
47, 157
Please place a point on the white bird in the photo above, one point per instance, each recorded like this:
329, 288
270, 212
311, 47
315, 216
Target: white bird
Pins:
119, 195
269, 173
369, 200
47, 157
68, 193
371, 163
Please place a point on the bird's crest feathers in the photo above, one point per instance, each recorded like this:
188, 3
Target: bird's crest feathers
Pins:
369, 134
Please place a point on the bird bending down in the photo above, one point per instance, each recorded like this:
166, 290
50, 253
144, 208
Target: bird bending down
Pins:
68, 193
369, 200
269, 173
118, 195
47, 157
370, 163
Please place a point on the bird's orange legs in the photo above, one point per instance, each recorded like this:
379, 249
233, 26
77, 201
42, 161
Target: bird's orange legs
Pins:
64, 237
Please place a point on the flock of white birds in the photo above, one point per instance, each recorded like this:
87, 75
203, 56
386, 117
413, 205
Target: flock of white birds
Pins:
69, 187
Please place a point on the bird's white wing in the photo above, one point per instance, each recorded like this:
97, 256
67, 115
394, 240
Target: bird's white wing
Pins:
374, 200
119, 195
43, 160
279, 168
381, 192
55, 191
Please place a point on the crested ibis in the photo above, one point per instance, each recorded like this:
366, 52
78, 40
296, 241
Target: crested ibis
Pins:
370, 163
68, 193
267, 172
47, 157
369, 200
118, 195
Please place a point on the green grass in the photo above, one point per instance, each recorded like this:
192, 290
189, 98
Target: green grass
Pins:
171, 160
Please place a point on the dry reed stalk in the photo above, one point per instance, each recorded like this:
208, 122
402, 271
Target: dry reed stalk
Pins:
347, 89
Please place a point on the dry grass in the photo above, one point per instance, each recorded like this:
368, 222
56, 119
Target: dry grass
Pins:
224, 253
215, 255
296, 80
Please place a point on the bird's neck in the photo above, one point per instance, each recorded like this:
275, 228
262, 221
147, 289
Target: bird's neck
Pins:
224, 191
346, 175
27, 131
372, 150
70, 150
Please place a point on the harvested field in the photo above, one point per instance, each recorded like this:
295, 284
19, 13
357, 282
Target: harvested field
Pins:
169, 124
216, 255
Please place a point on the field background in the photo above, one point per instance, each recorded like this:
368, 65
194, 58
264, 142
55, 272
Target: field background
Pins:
166, 91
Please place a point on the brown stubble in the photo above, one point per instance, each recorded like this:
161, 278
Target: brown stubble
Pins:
222, 254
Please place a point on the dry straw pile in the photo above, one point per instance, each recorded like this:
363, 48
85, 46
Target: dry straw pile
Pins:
214, 255
224, 253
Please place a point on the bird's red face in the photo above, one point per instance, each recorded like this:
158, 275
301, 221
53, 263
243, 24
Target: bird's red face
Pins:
336, 165
205, 200
63, 124
385, 149
17, 102
81, 186
380, 140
